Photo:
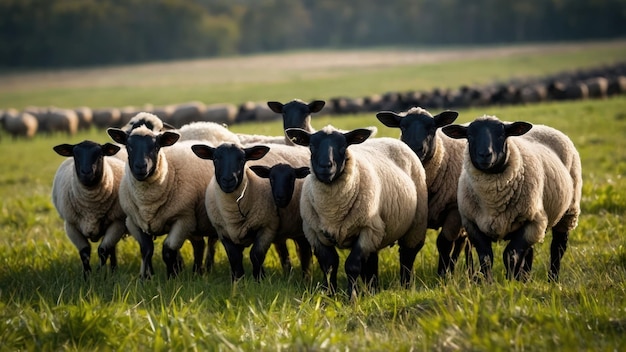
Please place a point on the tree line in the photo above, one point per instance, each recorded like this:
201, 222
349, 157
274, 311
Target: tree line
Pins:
60, 33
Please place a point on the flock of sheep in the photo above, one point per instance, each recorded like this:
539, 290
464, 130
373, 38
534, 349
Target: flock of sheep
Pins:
597, 82
326, 190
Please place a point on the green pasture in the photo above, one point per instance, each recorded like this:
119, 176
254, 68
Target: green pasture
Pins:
45, 304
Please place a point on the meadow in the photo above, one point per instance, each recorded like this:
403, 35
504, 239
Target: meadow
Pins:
45, 304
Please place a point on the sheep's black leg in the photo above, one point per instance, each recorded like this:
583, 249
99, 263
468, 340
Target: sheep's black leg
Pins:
283, 255
328, 259
353, 266
407, 258
104, 254
257, 257
444, 247
515, 255
369, 272
173, 261
482, 243
146, 246
198, 253
210, 254
235, 258
304, 253
557, 250
85, 255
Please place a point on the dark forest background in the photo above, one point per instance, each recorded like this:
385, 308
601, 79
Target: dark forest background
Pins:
60, 33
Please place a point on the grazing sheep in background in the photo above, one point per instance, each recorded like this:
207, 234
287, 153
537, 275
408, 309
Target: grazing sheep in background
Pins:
240, 204
186, 113
598, 87
85, 194
296, 114
253, 111
363, 195
286, 184
617, 85
61, 120
517, 181
559, 90
442, 158
19, 124
85, 117
163, 112
220, 113
162, 192
107, 117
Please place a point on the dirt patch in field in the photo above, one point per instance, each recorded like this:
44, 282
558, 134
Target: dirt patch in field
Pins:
267, 67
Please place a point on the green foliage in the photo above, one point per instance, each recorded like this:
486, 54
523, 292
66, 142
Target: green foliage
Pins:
45, 304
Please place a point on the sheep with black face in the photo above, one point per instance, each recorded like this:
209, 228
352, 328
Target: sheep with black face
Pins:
442, 158
85, 194
363, 195
517, 181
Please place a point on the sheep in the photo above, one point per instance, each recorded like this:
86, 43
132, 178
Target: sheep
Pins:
220, 113
286, 185
598, 87
517, 180
240, 204
363, 195
19, 124
296, 114
187, 112
151, 121
162, 191
107, 117
85, 117
209, 132
442, 158
85, 194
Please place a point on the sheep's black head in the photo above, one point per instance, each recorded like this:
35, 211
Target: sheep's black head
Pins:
282, 179
296, 113
229, 161
88, 159
418, 128
487, 141
143, 148
328, 149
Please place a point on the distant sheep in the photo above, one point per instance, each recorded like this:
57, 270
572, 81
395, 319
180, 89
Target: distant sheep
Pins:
85, 194
286, 184
19, 124
240, 204
85, 117
220, 113
442, 158
186, 113
363, 195
107, 117
162, 192
517, 181
598, 87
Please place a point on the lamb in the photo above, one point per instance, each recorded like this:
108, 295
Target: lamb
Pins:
240, 204
162, 192
286, 185
363, 195
296, 114
19, 124
517, 180
85, 194
442, 158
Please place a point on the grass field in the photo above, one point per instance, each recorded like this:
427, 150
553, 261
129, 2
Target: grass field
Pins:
46, 305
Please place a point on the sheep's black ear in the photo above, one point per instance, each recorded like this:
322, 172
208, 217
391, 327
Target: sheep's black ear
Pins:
261, 170
109, 149
445, 118
517, 128
64, 149
168, 138
117, 135
357, 136
389, 118
302, 172
316, 105
256, 152
455, 131
275, 106
299, 136
203, 151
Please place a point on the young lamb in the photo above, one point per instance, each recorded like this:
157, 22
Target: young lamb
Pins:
296, 114
517, 181
240, 204
442, 158
162, 192
286, 184
363, 195
85, 194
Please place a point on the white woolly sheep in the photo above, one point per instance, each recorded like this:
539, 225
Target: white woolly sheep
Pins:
151, 121
442, 158
515, 188
162, 192
240, 204
363, 195
208, 132
296, 114
85, 194
286, 184
19, 124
